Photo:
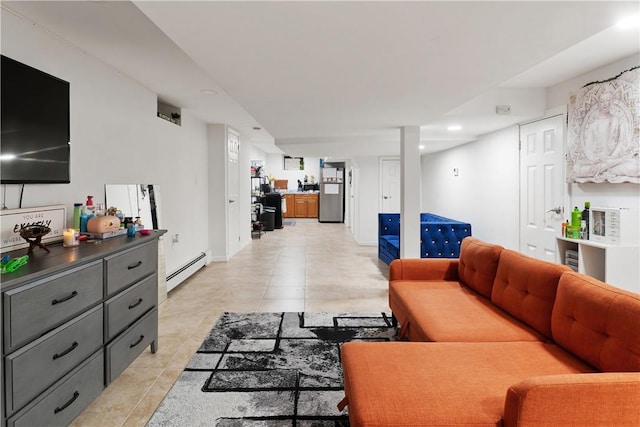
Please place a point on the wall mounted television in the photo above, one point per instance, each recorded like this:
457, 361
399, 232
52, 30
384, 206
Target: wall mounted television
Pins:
34, 144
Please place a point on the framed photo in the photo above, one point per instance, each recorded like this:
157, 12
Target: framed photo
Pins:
293, 163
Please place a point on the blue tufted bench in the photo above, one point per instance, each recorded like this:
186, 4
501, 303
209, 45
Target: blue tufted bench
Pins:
440, 237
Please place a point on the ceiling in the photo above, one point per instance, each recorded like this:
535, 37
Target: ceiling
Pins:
339, 79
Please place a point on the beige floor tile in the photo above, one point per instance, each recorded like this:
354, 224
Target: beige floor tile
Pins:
284, 292
274, 305
306, 267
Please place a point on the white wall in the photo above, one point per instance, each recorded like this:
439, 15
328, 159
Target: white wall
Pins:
116, 138
625, 195
485, 192
274, 165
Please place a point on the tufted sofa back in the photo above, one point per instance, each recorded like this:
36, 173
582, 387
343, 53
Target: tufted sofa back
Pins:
389, 224
525, 287
478, 264
598, 323
441, 237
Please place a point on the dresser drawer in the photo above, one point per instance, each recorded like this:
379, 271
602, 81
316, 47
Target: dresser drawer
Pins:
38, 307
130, 266
124, 349
41, 363
65, 400
123, 309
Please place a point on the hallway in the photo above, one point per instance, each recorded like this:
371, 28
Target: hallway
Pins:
305, 267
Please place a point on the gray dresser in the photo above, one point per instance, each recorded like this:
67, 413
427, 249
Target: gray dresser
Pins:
72, 321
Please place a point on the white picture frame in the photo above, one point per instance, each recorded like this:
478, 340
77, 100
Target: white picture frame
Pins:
11, 220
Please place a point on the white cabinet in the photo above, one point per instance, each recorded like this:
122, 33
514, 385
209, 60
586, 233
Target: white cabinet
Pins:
616, 265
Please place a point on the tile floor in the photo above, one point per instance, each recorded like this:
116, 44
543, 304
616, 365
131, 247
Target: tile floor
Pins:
306, 267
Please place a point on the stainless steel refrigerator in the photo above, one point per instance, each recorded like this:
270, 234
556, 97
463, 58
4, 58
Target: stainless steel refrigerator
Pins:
331, 199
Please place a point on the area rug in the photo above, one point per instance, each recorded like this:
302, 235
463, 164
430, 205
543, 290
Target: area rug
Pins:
269, 369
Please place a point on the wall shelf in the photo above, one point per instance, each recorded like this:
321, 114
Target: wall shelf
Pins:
169, 112
616, 265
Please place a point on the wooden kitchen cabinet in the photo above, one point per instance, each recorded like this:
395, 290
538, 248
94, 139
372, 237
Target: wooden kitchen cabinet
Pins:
312, 207
306, 205
291, 204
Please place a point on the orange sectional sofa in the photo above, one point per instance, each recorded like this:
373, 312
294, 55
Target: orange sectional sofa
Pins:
497, 338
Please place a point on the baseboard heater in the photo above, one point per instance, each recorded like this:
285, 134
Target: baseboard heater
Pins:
184, 272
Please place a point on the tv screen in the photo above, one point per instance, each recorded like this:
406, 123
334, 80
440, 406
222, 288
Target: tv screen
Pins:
35, 126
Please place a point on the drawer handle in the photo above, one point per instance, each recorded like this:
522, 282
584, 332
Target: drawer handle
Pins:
57, 301
67, 351
135, 304
136, 265
137, 342
76, 394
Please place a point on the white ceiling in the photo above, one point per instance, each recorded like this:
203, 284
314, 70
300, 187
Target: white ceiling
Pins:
339, 78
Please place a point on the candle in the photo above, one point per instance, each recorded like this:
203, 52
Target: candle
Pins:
70, 238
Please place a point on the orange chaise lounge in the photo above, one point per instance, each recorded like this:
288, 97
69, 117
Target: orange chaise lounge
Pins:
512, 341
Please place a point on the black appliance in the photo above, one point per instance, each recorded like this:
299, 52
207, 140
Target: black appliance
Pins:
35, 125
274, 200
265, 188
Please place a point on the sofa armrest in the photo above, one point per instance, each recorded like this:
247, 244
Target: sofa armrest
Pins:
424, 269
577, 399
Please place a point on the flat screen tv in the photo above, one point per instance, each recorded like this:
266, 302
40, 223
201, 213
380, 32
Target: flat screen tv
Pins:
35, 125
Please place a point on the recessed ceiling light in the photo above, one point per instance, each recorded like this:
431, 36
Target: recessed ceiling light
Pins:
454, 127
208, 91
421, 147
629, 22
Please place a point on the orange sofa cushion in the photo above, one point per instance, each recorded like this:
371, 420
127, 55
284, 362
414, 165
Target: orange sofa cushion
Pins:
598, 323
438, 384
404, 293
556, 400
525, 287
423, 269
446, 311
478, 264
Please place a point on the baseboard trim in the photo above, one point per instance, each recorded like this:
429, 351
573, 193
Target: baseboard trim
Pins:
186, 271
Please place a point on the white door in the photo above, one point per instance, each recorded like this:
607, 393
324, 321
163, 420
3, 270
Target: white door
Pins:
541, 187
233, 212
390, 185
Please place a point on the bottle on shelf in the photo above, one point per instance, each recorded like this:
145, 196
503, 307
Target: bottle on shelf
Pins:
77, 211
576, 217
574, 229
584, 223
88, 213
90, 209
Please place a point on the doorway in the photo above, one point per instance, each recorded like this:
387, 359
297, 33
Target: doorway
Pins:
233, 212
542, 186
390, 185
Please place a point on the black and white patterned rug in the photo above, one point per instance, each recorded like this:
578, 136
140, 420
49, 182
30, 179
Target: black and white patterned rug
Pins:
269, 369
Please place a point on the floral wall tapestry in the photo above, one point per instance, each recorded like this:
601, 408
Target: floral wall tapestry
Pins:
603, 135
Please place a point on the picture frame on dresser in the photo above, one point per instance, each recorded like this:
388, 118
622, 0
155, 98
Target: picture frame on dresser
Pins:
12, 220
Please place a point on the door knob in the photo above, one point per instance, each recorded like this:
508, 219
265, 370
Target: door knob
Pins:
231, 201
386, 197
557, 210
